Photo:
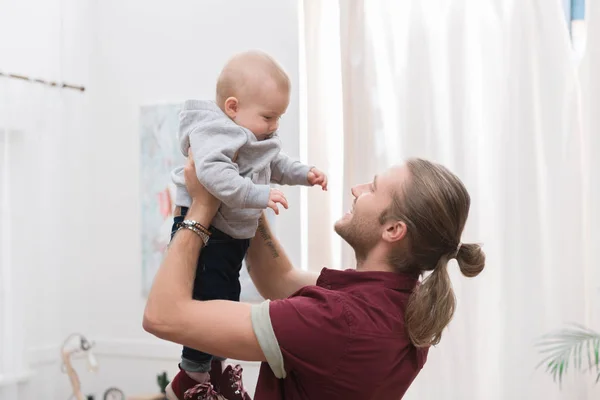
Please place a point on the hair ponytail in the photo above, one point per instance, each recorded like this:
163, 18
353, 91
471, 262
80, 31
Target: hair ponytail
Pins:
471, 259
431, 307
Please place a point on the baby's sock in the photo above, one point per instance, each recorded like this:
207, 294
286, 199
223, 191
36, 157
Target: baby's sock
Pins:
200, 377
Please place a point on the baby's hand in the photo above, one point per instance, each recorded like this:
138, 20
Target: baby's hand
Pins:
316, 177
275, 197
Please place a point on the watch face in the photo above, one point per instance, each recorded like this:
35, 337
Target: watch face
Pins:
114, 394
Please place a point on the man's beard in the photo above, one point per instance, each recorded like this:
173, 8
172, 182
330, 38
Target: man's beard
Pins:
360, 234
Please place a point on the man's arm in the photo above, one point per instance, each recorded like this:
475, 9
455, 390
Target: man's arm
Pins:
222, 328
270, 268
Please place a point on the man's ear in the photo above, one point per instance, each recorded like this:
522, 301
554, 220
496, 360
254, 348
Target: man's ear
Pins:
394, 231
231, 107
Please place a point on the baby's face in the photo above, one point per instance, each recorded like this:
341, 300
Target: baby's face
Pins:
260, 114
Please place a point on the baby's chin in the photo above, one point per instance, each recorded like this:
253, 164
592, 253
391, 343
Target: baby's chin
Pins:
263, 136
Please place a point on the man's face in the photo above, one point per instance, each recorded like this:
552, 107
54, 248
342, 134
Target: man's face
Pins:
360, 227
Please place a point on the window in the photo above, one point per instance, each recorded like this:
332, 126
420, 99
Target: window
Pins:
575, 16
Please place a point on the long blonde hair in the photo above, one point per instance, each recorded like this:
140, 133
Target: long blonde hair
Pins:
434, 205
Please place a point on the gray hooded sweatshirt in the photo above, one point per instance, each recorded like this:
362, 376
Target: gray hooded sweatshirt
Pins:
233, 165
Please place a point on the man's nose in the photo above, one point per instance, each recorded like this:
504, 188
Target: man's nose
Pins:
359, 189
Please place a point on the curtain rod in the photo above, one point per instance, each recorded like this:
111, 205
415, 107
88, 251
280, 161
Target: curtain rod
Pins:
43, 82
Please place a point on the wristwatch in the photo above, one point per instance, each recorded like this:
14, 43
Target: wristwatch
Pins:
197, 228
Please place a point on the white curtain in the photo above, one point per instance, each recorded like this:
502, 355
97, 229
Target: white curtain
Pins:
491, 89
40, 128
32, 208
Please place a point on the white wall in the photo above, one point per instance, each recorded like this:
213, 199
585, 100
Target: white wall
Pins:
128, 54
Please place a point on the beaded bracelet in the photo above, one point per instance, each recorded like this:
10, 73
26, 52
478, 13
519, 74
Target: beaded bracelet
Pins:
198, 226
192, 227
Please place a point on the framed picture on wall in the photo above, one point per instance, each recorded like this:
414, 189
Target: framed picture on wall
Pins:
159, 155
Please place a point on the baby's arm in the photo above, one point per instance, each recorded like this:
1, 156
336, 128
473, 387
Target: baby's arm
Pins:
214, 148
286, 171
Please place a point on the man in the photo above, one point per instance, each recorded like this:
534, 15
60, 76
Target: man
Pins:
354, 334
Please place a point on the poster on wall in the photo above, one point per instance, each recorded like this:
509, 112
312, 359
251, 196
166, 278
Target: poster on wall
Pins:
160, 154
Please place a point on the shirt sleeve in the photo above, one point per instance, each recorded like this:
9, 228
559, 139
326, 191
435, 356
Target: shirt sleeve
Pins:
286, 171
308, 333
214, 147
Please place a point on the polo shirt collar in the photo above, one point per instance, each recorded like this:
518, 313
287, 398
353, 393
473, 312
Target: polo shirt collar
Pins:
341, 279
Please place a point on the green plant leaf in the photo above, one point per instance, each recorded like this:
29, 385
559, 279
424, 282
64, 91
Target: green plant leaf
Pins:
565, 348
596, 346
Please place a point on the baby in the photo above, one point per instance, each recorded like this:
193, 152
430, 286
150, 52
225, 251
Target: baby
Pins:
237, 153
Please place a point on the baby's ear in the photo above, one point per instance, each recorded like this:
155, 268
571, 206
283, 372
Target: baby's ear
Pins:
231, 107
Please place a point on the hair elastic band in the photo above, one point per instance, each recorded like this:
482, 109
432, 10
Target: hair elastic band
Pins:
457, 249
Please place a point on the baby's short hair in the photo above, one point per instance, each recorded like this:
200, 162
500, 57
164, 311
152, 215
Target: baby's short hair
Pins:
248, 70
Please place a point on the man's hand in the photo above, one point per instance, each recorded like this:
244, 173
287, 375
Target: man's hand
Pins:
276, 196
201, 198
317, 177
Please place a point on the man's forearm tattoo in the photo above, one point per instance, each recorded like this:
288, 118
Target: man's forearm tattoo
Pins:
264, 234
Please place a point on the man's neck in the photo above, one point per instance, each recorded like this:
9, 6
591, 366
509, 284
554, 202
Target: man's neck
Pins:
376, 260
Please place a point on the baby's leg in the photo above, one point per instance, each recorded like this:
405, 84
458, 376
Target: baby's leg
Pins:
217, 278
196, 363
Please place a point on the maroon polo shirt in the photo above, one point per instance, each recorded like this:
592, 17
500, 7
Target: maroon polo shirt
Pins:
341, 339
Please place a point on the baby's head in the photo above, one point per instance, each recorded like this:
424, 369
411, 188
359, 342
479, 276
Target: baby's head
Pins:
254, 91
